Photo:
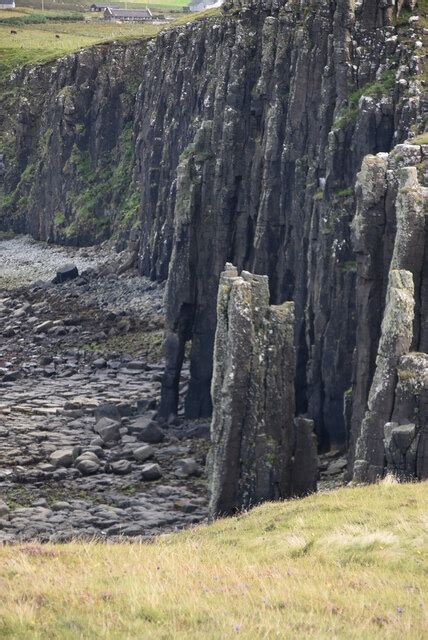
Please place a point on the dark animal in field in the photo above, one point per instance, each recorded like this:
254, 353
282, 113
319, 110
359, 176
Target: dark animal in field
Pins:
13, 32
56, 35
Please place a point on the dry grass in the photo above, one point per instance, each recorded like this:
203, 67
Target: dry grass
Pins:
348, 564
421, 139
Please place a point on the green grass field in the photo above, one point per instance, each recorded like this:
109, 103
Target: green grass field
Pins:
350, 564
39, 42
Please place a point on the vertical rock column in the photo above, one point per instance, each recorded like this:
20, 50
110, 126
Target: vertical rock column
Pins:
395, 342
252, 390
390, 236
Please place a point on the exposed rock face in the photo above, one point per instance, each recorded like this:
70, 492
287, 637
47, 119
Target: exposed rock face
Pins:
253, 395
67, 142
304, 474
391, 237
270, 148
248, 130
395, 341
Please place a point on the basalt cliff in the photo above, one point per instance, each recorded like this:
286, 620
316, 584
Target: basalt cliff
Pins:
277, 136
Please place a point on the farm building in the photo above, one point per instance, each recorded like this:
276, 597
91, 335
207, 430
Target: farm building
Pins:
134, 15
7, 4
97, 8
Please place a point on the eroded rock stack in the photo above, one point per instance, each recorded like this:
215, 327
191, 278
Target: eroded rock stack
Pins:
252, 429
391, 365
237, 137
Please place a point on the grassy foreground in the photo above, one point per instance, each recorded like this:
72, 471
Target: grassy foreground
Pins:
348, 564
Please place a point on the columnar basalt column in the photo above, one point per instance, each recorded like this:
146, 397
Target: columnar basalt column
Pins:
394, 342
390, 394
252, 390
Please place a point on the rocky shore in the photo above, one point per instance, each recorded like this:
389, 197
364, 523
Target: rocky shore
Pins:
83, 452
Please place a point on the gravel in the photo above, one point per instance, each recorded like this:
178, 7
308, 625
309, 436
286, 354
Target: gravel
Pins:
24, 260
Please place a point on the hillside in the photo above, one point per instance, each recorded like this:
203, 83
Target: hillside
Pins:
348, 564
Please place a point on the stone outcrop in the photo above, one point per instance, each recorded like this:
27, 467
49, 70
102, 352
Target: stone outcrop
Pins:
270, 147
254, 440
304, 473
237, 138
389, 419
395, 340
66, 133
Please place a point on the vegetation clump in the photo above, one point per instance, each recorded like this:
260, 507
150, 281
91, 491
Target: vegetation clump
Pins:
345, 564
380, 87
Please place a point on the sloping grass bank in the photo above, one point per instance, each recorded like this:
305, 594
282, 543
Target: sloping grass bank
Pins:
348, 564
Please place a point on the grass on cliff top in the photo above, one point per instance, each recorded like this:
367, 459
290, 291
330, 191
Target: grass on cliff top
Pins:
35, 43
39, 42
347, 564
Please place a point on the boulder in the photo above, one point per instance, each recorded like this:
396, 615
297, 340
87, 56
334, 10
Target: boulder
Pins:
108, 430
187, 467
107, 410
121, 467
88, 463
149, 432
151, 471
143, 453
67, 272
62, 458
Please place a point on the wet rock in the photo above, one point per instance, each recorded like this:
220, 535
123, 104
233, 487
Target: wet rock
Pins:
198, 431
148, 432
187, 467
11, 376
